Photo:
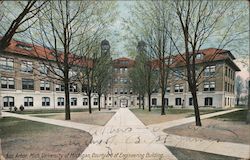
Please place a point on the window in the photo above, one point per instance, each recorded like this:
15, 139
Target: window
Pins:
8, 101
43, 69
110, 98
226, 71
178, 88
85, 101
125, 91
208, 101
58, 72
116, 70
168, 89
177, 101
73, 101
45, 101
44, 85
60, 87
154, 101
121, 69
209, 71
131, 91
25, 47
209, 86
116, 90
28, 84
60, 101
27, 67
73, 88
28, 101
121, 91
95, 101
190, 101
8, 83
225, 87
165, 101
6, 64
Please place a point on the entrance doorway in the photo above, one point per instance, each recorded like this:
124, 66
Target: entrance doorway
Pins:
123, 103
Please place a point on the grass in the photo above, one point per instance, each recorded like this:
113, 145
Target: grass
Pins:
234, 116
174, 111
185, 154
42, 111
10, 126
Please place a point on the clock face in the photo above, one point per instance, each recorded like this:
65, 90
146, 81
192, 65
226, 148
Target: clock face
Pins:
105, 47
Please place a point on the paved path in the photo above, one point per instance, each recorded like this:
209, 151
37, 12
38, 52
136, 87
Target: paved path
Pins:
85, 127
125, 137
169, 124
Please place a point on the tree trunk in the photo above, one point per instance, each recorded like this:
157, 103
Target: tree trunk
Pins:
149, 102
67, 100
238, 99
248, 103
89, 99
143, 102
196, 109
99, 102
163, 104
139, 102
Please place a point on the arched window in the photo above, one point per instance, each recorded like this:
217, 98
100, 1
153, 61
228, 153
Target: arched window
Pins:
45, 101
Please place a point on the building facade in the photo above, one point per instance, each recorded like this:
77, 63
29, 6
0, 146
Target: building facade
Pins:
24, 81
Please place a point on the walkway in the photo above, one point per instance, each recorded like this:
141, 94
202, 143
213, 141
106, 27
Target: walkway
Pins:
125, 137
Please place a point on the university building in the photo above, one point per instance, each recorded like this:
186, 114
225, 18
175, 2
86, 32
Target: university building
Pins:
24, 81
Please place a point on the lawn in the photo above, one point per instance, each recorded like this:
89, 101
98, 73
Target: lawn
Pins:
185, 154
155, 116
57, 110
234, 116
96, 118
23, 139
230, 127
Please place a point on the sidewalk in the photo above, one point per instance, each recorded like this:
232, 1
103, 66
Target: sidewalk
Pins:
125, 137
85, 127
169, 124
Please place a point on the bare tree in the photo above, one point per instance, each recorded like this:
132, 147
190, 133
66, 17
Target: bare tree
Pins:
29, 11
198, 21
239, 87
69, 29
151, 21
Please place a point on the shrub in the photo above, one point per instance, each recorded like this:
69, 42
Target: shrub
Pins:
15, 108
10, 108
21, 108
171, 106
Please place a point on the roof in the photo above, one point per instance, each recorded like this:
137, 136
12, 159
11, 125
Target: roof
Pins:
209, 55
123, 62
41, 52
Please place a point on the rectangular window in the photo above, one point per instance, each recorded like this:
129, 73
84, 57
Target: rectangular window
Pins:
73, 88
209, 71
225, 71
60, 101
116, 90
8, 83
178, 88
28, 84
168, 89
209, 86
44, 85
8, 101
28, 101
154, 101
60, 87
121, 91
208, 101
85, 101
73, 101
95, 101
6, 64
43, 69
190, 101
45, 101
178, 101
27, 67
165, 101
